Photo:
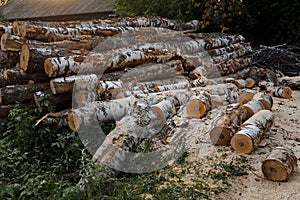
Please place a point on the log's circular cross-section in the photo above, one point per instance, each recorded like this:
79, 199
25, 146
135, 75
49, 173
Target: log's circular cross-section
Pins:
242, 143
24, 57
196, 108
221, 136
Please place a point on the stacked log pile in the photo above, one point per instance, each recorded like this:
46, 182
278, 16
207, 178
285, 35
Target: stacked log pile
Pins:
121, 69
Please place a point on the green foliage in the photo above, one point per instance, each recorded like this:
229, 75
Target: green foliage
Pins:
266, 22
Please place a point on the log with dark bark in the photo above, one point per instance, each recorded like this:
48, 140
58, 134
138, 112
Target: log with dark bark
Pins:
14, 77
279, 164
58, 102
33, 56
11, 94
9, 59
252, 131
4, 110
11, 42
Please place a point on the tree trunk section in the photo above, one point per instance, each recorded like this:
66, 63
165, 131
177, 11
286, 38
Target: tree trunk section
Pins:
245, 96
226, 125
19, 77
12, 94
279, 164
252, 131
199, 105
265, 99
253, 107
292, 82
11, 42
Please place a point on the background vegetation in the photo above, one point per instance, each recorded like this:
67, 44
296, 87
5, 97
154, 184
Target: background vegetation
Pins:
263, 22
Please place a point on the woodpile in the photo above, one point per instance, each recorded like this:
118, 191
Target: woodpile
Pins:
170, 71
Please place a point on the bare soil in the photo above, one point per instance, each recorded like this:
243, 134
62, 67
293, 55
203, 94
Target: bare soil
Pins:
285, 132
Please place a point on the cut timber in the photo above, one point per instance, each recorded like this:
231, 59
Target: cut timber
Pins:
60, 37
279, 164
199, 105
253, 107
235, 54
14, 77
9, 59
57, 102
252, 131
240, 83
101, 111
292, 82
11, 42
66, 84
245, 96
227, 67
265, 99
105, 89
226, 125
209, 43
11, 94
282, 91
250, 83
197, 73
4, 110
63, 66
33, 56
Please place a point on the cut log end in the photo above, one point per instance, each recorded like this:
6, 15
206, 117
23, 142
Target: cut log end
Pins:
242, 143
196, 108
287, 92
3, 42
24, 57
245, 97
221, 136
250, 83
274, 170
52, 87
52, 37
279, 164
48, 67
73, 121
160, 113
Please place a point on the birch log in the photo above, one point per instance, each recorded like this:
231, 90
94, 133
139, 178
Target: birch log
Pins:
199, 105
265, 99
292, 82
226, 125
252, 131
282, 91
253, 107
32, 57
245, 96
66, 84
279, 164
11, 42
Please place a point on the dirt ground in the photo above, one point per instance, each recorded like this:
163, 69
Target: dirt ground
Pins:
285, 132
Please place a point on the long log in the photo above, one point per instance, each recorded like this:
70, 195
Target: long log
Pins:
292, 82
282, 91
33, 56
279, 164
235, 54
98, 62
226, 125
11, 42
66, 84
227, 49
252, 131
14, 77
11, 94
